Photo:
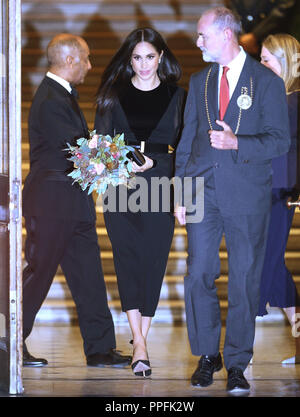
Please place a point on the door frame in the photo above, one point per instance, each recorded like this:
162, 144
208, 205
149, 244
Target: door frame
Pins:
15, 189
11, 146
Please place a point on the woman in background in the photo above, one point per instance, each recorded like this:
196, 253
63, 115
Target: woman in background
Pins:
139, 96
277, 286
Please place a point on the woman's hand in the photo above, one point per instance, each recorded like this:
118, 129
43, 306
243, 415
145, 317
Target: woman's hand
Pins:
147, 165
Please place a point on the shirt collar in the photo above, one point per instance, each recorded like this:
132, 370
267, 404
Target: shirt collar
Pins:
238, 61
60, 80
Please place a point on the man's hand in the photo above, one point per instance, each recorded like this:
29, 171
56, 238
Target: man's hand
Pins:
179, 213
223, 139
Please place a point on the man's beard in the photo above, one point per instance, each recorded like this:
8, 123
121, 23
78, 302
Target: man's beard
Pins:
207, 57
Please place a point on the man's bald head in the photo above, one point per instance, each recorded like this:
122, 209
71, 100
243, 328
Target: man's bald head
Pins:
62, 46
68, 57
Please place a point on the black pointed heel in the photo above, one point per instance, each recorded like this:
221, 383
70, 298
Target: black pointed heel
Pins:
141, 363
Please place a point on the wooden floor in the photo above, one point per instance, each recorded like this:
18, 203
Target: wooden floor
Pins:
68, 376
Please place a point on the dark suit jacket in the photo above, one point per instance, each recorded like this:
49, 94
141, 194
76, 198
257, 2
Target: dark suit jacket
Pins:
243, 178
54, 120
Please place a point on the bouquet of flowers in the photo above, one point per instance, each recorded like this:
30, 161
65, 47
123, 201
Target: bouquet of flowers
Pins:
99, 161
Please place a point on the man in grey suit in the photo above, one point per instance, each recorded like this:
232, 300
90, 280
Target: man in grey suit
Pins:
232, 151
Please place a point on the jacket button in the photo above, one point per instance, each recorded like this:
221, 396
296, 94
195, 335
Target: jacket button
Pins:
245, 161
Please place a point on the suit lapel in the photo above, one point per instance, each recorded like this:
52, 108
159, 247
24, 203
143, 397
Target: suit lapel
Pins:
232, 112
212, 95
78, 111
71, 101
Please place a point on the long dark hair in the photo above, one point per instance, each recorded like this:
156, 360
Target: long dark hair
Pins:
119, 71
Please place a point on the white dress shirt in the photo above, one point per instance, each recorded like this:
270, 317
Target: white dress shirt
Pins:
60, 80
233, 74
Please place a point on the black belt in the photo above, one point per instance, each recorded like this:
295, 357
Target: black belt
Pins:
150, 147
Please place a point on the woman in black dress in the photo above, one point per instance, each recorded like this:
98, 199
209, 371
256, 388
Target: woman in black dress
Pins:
138, 96
277, 285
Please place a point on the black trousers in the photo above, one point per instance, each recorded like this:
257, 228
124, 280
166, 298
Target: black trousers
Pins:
74, 246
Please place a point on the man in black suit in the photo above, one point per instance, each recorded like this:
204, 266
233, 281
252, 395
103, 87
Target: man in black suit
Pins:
60, 217
236, 121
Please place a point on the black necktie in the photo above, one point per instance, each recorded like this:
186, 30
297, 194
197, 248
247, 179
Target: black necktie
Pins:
74, 93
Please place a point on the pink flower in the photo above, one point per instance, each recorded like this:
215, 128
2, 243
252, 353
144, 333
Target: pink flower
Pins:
78, 155
93, 143
99, 168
